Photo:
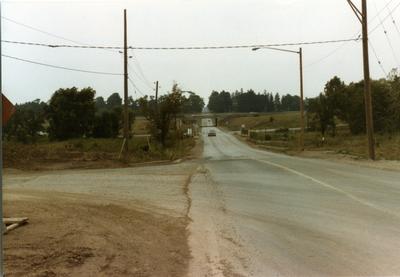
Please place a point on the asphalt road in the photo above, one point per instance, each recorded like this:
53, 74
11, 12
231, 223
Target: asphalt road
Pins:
256, 213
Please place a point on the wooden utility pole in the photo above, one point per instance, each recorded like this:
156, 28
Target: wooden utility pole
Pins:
157, 93
301, 101
367, 84
1, 154
363, 18
126, 111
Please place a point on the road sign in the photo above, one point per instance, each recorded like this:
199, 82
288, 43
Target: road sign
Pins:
8, 109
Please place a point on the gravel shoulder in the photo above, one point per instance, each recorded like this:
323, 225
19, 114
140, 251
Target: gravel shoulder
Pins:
111, 222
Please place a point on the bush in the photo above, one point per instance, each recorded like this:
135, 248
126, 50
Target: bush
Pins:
26, 123
107, 124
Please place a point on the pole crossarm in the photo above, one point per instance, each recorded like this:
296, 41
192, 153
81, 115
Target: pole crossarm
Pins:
356, 11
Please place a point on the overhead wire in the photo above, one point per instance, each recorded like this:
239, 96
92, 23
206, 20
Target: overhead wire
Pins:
139, 77
139, 67
379, 61
40, 30
61, 67
394, 21
135, 87
377, 58
181, 47
357, 34
385, 18
387, 38
48, 33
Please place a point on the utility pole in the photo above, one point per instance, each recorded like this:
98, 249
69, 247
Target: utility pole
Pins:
363, 18
126, 111
157, 93
1, 155
301, 101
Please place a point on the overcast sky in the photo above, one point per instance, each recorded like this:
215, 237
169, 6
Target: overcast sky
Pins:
192, 23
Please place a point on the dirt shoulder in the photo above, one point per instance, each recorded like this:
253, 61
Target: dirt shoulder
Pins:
111, 222
327, 155
76, 237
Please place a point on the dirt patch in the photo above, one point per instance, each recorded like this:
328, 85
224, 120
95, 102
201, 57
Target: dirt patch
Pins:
71, 235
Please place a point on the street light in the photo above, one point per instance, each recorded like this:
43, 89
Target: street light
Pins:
300, 53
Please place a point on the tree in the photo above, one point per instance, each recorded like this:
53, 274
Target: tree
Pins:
290, 102
226, 102
71, 113
108, 124
26, 123
277, 102
192, 104
214, 104
322, 115
114, 100
100, 104
161, 114
346, 102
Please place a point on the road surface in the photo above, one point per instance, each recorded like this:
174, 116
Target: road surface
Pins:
236, 211
256, 213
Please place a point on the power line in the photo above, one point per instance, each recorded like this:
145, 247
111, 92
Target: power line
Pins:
394, 21
327, 55
139, 67
358, 35
62, 67
135, 87
181, 47
377, 58
138, 76
385, 18
40, 30
47, 33
388, 39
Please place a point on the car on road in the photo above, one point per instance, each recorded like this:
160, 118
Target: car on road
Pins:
212, 133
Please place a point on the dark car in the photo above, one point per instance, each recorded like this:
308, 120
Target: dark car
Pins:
212, 133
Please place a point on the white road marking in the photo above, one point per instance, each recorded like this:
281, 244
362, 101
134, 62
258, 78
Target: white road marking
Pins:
349, 195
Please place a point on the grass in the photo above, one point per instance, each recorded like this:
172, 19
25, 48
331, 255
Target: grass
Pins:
18, 155
140, 125
262, 121
387, 145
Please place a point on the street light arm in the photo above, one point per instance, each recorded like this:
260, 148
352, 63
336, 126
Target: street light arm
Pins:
276, 49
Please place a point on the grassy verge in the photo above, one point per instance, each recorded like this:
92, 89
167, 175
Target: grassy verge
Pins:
88, 152
387, 145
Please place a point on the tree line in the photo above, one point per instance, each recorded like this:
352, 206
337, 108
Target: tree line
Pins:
73, 113
249, 101
346, 103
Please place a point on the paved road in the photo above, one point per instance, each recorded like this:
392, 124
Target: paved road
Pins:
257, 213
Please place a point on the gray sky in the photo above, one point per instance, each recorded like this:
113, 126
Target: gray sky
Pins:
192, 23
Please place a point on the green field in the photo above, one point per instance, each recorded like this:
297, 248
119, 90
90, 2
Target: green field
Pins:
233, 122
